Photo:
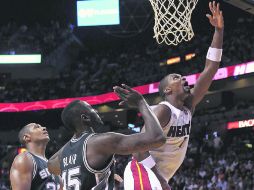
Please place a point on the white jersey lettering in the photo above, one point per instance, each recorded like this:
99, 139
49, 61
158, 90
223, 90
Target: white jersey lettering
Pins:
170, 156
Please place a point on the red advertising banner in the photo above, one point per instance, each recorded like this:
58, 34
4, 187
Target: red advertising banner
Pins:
240, 124
222, 73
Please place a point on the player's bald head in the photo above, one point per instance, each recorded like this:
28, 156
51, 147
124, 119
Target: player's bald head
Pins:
71, 114
79, 115
25, 130
164, 83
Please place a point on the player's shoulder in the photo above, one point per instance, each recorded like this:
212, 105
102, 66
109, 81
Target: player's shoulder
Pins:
163, 113
23, 161
161, 108
23, 157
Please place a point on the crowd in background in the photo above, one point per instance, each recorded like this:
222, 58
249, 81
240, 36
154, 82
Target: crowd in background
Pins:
24, 39
219, 164
135, 62
4, 166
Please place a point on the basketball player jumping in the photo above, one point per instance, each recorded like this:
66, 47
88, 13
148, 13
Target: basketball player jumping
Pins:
85, 162
29, 169
176, 110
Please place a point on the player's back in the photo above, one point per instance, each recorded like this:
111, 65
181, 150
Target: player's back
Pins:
42, 179
170, 156
76, 172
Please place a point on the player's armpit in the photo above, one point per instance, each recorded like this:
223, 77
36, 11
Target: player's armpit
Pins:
21, 172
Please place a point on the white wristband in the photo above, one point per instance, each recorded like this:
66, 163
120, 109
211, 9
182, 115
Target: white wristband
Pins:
214, 54
148, 162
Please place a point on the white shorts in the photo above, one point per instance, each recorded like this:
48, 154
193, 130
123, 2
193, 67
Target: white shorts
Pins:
139, 177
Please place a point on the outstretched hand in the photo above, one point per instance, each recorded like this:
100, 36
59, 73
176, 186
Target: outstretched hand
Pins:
129, 96
216, 19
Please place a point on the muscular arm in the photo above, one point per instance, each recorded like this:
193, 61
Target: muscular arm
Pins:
111, 143
54, 163
211, 67
21, 172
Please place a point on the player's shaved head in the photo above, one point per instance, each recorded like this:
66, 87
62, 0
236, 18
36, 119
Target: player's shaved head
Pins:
25, 130
72, 112
164, 83
79, 115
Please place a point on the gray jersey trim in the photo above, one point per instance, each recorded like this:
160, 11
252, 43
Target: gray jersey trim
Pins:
73, 139
34, 164
90, 169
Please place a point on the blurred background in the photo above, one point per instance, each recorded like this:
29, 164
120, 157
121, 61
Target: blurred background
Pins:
67, 52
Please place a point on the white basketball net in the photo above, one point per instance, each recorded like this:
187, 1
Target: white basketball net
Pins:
173, 20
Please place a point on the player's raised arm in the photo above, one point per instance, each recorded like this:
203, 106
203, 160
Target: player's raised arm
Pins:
213, 56
21, 172
110, 143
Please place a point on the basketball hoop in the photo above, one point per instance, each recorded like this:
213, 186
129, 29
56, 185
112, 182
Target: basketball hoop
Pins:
173, 20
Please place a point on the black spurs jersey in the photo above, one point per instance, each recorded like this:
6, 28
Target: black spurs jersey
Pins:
77, 174
42, 179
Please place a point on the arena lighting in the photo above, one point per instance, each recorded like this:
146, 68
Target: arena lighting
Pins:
240, 124
222, 73
189, 56
20, 59
173, 60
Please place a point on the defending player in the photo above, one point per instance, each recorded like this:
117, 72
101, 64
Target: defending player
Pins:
29, 169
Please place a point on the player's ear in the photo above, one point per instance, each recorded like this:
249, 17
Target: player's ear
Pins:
85, 118
168, 91
27, 138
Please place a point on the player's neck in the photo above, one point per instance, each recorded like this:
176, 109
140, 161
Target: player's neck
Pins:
37, 149
80, 132
174, 101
